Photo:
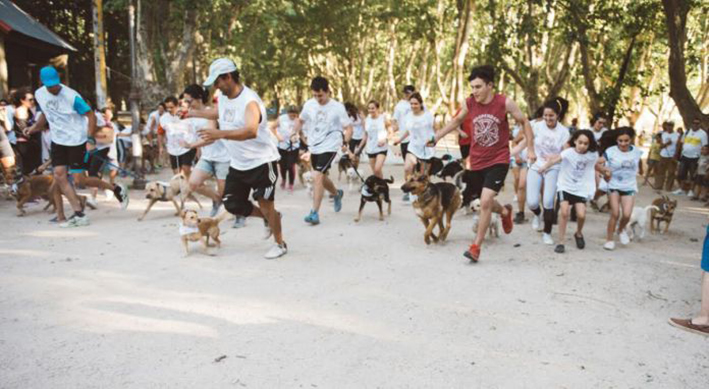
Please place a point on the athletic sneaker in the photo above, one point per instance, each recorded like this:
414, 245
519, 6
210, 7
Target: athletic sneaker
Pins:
507, 224
547, 239
473, 253
239, 222
536, 224
91, 202
610, 245
559, 249
109, 194
678, 192
338, 200
215, 208
54, 220
75, 221
276, 251
519, 218
312, 218
122, 195
624, 238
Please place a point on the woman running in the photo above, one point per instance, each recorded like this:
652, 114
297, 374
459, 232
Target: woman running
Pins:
622, 166
357, 131
577, 182
288, 146
375, 139
419, 125
550, 138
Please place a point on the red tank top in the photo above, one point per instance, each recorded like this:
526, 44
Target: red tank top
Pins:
491, 133
467, 129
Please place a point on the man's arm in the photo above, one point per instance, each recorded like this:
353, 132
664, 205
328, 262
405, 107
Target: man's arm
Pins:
252, 119
206, 113
348, 130
40, 125
517, 114
452, 125
92, 123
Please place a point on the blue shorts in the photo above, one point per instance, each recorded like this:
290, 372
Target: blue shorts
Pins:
217, 169
705, 252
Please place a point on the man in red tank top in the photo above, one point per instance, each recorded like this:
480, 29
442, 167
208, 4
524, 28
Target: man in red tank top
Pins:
489, 148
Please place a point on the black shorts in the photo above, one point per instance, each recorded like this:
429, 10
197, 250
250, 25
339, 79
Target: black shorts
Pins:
186, 159
687, 166
404, 150
701, 180
492, 177
97, 160
75, 158
464, 151
571, 199
240, 184
374, 155
322, 162
354, 143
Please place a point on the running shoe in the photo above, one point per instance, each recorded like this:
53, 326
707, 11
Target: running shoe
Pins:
75, 221
690, 193
624, 238
473, 253
536, 224
519, 218
338, 200
610, 245
92, 203
109, 194
678, 192
276, 251
507, 224
547, 239
312, 218
239, 222
559, 249
122, 195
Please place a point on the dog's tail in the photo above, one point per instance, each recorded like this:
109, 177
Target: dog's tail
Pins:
390, 180
223, 216
649, 207
458, 179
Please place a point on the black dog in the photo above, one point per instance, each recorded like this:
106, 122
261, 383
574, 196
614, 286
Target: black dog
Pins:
375, 189
462, 181
451, 169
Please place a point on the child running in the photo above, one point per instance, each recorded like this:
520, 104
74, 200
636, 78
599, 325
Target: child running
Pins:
622, 166
375, 139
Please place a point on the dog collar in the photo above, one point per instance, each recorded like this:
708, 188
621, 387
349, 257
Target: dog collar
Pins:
187, 230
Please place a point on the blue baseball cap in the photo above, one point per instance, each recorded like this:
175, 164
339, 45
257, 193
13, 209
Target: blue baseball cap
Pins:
49, 76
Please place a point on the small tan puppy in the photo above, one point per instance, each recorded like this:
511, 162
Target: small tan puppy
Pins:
160, 191
193, 229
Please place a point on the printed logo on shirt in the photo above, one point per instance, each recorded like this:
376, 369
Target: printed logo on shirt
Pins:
486, 130
53, 105
229, 115
320, 121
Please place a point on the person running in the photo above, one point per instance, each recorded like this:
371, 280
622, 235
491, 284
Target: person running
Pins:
177, 131
653, 157
243, 126
326, 121
374, 141
402, 108
691, 145
214, 159
550, 138
489, 148
357, 127
288, 146
622, 166
665, 172
576, 183
419, 127
154, 135
67, 114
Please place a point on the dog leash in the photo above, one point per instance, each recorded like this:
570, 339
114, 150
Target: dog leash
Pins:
94, 153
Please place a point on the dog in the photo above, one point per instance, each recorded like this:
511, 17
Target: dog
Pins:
664, 213
150, 156
348, 165
194, 228
39, 186
433, 203
159, 191
375, 189
451, 169
638, 221
494, 227
462, 183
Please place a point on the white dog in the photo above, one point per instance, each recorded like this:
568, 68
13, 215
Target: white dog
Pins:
494, 228
638, 221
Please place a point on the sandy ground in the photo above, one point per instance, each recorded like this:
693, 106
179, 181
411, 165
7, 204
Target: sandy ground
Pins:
368, 305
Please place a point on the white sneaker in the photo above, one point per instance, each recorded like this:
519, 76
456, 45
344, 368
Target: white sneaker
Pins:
109, 194
536, 224
125, 196
514, 200
91, 203
239, 222
678, 192
547, 239
75, 221
276, 251
690, 193
610, 245
624, 238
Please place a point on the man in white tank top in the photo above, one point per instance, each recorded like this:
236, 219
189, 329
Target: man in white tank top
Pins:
244, 129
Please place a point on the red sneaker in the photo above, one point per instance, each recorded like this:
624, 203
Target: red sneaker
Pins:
507, 220
473, 253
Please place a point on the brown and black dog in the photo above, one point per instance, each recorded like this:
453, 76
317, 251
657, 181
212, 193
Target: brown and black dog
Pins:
666, 212
433, 203
375, 189
194, 228
39, 186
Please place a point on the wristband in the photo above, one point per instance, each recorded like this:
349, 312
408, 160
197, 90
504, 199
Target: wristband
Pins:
91, 140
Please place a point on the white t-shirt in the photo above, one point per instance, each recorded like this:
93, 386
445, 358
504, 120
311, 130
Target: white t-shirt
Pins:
692, 143
357, 130
421, 131
624, 168
548, 142
669, 151
285, 130
250, 153
402, 108
65, 114
215, 152
376, 132
177, 130
325, 124
577, 173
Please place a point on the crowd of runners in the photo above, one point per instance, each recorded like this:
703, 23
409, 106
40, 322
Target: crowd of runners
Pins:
226, 135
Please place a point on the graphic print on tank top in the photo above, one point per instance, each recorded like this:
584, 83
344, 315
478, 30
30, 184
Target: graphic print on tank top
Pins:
487, 131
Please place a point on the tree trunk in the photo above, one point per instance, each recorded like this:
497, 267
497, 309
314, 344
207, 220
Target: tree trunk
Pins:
99, 55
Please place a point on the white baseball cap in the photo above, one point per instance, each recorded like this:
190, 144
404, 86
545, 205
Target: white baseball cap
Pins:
217, 68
